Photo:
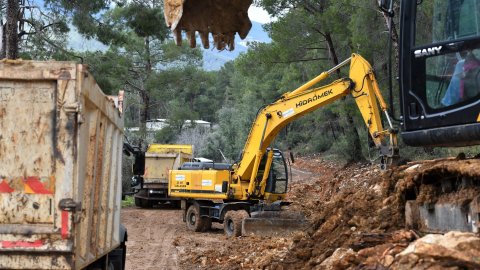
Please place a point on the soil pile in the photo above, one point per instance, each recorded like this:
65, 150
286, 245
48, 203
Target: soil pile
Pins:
360, 226
353, 208
356, 216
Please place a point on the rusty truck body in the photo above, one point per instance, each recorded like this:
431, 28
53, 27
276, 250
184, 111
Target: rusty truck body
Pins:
60, 169
159, 159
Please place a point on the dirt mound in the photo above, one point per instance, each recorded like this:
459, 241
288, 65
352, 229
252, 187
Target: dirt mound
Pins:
220, 252
355, 205
359, 218
356, 216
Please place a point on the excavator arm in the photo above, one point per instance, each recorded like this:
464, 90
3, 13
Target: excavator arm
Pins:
361, 84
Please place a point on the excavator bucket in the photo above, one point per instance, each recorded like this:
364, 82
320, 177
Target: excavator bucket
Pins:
221, 18
273, 223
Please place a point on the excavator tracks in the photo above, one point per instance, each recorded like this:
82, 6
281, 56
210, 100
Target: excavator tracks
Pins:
440, 195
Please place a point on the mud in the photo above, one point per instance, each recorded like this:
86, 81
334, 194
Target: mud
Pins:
151, 233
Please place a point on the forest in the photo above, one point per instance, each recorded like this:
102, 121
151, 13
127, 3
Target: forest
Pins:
165, 81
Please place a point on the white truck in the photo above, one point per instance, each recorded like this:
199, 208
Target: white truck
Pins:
60, 173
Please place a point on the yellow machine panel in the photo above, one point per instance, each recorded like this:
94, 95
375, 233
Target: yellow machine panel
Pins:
170, 148
199, 183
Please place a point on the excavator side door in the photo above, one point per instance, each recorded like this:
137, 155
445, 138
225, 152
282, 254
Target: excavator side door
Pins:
278, 179
440, 72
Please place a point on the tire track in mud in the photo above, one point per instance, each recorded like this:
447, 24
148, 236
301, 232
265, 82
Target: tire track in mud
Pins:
151, 233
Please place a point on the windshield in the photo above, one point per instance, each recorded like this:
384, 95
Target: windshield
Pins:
452, 70
279, 174
442, 20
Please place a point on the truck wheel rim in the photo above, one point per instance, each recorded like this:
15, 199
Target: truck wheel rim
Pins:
192, 219
230, 226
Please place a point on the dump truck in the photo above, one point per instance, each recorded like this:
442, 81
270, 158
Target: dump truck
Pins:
60, 178
152, 180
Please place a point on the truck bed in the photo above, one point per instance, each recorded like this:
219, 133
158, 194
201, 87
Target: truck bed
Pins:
60, 179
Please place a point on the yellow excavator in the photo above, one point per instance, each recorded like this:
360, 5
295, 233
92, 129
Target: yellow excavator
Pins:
247, 197
439, 76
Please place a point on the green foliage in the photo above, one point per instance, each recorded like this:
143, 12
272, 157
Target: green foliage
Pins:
305, 38
109, 68
166, 135
85, 15
128, 202
145, 21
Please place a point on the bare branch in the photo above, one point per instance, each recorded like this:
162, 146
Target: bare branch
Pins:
134, 86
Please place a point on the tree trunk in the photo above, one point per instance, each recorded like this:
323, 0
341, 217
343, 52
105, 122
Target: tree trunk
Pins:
3, 51
11, 29
356, 153
144, 115
333, 130
394, 38
331, 51
145, 95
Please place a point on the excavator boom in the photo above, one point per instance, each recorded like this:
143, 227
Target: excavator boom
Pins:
361, 84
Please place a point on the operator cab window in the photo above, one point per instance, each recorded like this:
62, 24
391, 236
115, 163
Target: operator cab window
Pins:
451, 74
279, 174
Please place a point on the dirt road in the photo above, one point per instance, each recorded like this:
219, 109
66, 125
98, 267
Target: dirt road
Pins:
150, 237
158, 239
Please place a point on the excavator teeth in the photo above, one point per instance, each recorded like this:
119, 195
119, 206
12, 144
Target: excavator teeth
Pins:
204, 38
178, 36
219, 42
173, 10
219, 17
191, 38
243, 32
231, 41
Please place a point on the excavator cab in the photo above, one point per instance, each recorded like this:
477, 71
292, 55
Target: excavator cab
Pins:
277, 180
440, 72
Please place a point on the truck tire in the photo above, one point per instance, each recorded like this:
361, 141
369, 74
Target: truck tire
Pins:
117, 257
138, 202
232, 222
194, 221
207, 224
176, 204
143, 203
